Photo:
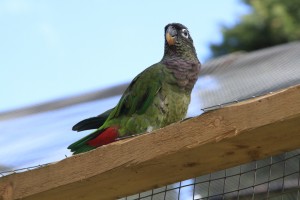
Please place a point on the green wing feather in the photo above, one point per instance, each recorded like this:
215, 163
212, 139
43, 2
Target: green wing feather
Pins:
140, 93
136, 99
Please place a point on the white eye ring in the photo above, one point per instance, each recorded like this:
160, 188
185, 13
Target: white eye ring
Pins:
185, 33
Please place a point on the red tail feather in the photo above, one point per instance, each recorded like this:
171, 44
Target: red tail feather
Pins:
109, 135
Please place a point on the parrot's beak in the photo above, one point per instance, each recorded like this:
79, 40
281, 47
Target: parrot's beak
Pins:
171, 34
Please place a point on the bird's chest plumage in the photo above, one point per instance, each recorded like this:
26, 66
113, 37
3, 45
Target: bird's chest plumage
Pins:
172, 100
183, 73
172, 104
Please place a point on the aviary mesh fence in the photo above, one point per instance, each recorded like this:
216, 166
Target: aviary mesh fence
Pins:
227, 80
275, 178
223, 81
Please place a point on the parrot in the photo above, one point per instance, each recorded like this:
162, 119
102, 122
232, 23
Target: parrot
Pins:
157, 97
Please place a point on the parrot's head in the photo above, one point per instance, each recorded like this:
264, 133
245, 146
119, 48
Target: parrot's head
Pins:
178, 41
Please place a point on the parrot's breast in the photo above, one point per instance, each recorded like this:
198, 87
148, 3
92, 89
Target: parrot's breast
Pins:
185, 73
171, 104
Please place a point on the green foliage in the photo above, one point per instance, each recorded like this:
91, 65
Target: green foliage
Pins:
270, 23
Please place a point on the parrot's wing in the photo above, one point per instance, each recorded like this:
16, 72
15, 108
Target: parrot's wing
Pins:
92, 123
140, 93
136, 99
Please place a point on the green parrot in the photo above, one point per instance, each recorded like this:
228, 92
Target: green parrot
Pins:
157, 97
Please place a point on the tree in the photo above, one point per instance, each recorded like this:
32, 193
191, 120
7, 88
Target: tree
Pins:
271, 22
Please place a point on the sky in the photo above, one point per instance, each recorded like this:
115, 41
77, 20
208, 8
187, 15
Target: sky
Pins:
53, 49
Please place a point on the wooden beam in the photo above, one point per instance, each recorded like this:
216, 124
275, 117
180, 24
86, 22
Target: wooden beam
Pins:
216, 140
62, 103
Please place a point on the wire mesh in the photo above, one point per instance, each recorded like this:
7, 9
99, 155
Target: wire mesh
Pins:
223, 81
240, 76
8, 172
275, 178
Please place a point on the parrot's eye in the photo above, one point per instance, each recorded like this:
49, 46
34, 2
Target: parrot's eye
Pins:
185, 33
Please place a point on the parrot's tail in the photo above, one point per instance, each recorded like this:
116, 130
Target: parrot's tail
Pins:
87, 124
94, 140
93, 122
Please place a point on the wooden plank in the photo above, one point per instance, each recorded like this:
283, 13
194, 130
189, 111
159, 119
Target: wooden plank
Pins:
216, 140
62, 103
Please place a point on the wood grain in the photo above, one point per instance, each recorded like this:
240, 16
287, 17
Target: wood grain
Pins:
216, 140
